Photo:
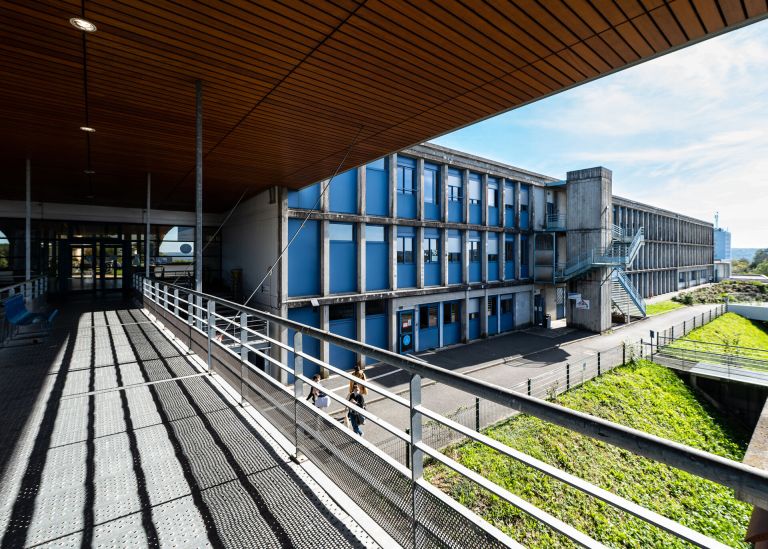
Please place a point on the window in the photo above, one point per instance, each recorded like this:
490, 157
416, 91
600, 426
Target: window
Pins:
454, 186
405, 180
380, 164
450, 313
474, 251
524, 259
376, 307
341, 232
430, 186
509, 248
491, 306
493, 196
506, 306
405, 249
475, 192
474, 316
431, 250
428, 316
492, 249
509, 196
374, 233
454, 249
341, 311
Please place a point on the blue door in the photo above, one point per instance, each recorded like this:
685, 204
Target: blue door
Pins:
474, 318
451, 322
405, 332
507, 308
342, 322
560, 302
493, 314
429, 337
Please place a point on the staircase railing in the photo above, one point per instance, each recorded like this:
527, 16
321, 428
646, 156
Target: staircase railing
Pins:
637, 241
632, 292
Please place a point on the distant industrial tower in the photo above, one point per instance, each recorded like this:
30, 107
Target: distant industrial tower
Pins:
722, 250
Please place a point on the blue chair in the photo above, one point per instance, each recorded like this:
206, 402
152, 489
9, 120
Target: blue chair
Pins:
17, 315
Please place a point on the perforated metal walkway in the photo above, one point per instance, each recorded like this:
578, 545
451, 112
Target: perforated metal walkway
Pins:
110, 436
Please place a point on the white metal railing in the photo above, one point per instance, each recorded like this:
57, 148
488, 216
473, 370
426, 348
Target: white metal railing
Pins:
556, 221
629, 288
30, 289
330, 446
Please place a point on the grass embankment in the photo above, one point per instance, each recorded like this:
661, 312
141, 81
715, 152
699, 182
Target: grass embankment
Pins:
734, 290
662, 307
732, 333
644, 396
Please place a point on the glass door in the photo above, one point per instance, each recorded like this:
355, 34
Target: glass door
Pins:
82, 272
111, 266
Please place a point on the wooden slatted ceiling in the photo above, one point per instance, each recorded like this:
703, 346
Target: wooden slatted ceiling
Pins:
289, 85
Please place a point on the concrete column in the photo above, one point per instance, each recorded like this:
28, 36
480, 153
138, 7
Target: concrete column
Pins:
361, 249
440, 325
392, 324
281, 334
282, 217
392, 179
325, 348
502, 207
392, 242
443, 182
324, 196
484, 256
517, 205
518, 253
465, 188
361, 173
484, 198
28, 225
325, 258
465, 317
360, 321
147, 232
484, 314
420, 189
199, 186
418, 249
589, 220
444, 257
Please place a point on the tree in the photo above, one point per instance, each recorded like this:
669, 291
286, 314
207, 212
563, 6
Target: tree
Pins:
761, 268
761, 256
740, 266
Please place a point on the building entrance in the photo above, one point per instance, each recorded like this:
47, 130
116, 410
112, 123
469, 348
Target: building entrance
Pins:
93, 265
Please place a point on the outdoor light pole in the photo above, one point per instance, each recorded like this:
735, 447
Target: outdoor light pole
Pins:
28, 226
198, 186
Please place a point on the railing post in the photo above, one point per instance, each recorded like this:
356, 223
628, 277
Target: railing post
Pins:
624, 353
529, 386
298, 388
673, 334
211, 320
190, 310
684, 332
477, 414
416, 455
642, 346
598, 364
176, 301
243, 351
567, 376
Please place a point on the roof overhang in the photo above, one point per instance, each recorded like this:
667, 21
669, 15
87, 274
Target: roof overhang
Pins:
292, 90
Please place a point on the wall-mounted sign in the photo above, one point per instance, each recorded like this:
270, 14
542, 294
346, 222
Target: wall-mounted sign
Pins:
582, 304
574, 295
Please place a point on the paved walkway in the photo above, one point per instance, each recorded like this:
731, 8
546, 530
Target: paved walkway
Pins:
110, 436
506, 360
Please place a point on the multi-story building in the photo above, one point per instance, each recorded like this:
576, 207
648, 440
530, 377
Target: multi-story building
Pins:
431, 247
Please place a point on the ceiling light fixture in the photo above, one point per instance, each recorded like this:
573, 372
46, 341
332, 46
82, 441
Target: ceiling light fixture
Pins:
87, 129
83, 24
89, 172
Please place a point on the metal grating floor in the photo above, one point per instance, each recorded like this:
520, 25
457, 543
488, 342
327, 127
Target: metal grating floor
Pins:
110, 437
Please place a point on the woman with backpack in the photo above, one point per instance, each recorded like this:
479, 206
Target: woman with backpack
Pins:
356, 418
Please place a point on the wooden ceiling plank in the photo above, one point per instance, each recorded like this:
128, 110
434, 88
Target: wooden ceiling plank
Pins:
709, 14
688, 19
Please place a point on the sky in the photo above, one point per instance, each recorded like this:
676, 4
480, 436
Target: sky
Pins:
687, 131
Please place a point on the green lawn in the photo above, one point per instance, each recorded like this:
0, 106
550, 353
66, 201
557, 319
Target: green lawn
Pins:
732, 332
662, 307
644, 396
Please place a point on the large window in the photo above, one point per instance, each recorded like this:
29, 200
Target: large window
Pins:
509, 248
450, 313
431, 250
405, 249
406, 183
341, 232
374, 233
430, 186
5, 251
492, 249
454, 249
454, 186
428, 316
507, 305
474, 250
475, 191
492, 306
493, 196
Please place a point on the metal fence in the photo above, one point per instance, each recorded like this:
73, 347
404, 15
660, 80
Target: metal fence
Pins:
33, 290
397, 496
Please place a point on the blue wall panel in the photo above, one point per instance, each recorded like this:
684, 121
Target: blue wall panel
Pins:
376, 333
406, 272
432, 268
311, 317
475, 267
493, 270
507, 311
452, 330
304, 258
343, 264
376, 266
377, 188
474, 328
524, 206
508, 203
493, 217
407, 187
406, 206
342, 192
306, 198
428, 338
342, 358
493, 320
509, 270
431, 205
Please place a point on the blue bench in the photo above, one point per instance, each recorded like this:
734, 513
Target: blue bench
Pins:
17, 315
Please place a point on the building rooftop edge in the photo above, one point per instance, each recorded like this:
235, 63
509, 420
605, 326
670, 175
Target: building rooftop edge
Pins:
663, 210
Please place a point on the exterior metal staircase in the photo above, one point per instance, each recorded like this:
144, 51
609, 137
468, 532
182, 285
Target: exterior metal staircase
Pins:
618, 255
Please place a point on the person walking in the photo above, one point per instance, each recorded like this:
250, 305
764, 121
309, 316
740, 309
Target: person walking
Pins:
317, 396
360, 374
356, 418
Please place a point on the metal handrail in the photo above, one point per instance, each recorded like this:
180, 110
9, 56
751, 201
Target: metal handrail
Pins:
30, 289
747, 479
630, 289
